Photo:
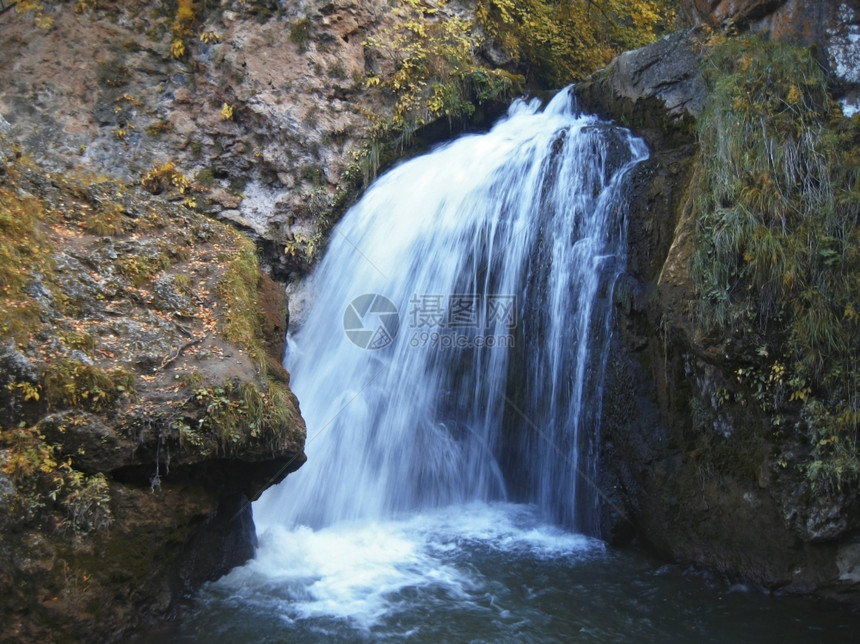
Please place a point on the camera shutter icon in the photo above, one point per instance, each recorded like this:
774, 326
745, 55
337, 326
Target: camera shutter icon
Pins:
371, 321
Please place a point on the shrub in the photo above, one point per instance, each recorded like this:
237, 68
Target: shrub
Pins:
560, 42
300, 34
434, 68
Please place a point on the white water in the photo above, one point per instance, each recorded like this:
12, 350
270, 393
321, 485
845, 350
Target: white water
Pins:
444, 487
361, 573
418, 446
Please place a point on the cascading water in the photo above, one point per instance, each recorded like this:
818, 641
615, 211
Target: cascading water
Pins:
449, 373
498, 251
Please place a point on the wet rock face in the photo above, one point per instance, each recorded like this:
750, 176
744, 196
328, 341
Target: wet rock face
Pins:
687, 464
228, 540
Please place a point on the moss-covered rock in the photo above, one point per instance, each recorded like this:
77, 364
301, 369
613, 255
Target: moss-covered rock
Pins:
142, 407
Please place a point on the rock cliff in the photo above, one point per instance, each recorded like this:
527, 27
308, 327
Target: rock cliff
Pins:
265, 107
697, 465
260, 111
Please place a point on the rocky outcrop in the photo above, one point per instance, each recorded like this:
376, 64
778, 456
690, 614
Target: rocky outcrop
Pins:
263, 112
267, 112
140, 411
657, 90
689, 460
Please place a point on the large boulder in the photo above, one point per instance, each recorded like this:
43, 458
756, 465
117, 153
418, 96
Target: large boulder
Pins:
657, 90
141, 407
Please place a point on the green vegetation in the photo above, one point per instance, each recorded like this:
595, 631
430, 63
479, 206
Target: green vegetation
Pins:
270, 412
37, 10
563, 41
163, 177
433, 50
41, 479
105, 221
300, 34
22, 248
48, 488
182, 26
434, 70
777, 260
71, 383
235, 413
205, 177
142, 268
237, 291
159, 127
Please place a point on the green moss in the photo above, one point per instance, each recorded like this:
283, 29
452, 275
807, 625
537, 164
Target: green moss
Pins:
205, 177
70, 383
247, 410
313, 174
106, 220
237, 414
300, 34
778, 231
24, 256
80, 340
141, 268
237, 291
273, 413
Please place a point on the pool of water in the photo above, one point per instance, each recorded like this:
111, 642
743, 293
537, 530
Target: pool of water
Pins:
483, 573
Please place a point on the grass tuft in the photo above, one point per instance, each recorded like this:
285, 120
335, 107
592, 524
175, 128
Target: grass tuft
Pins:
778, 230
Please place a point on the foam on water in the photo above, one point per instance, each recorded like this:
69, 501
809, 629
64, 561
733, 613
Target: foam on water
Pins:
359, 571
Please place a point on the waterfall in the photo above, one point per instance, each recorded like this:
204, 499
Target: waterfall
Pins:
453, 352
